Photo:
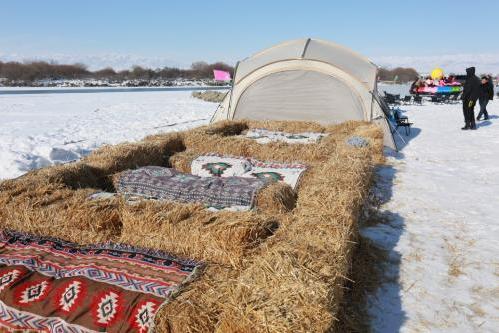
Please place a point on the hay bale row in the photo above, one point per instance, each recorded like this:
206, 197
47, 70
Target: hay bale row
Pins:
294, 282
95, 170
194, 232
63, 213
202, 143
288, 126
72, 175
223, 128
298, 281
112, 159
185, 230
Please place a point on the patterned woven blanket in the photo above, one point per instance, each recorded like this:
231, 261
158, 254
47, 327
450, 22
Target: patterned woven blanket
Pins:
215, 165
169, 184
49, 285
263, 136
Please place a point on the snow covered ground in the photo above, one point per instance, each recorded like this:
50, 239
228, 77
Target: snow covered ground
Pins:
440, 198
40, 130
440, 194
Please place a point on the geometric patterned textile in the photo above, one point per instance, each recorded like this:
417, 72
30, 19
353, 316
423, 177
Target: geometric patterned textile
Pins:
215, 165
49, 285
169, 184
264, 136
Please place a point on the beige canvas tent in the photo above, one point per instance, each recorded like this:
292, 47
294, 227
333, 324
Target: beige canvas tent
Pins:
305, 79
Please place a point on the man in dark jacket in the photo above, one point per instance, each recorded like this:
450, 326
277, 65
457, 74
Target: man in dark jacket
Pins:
491, 83
471, 92
486, 94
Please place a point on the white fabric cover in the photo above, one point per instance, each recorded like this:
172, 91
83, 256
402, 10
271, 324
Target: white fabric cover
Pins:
264, 136
345, 59
299, 95
288, 50
313, 49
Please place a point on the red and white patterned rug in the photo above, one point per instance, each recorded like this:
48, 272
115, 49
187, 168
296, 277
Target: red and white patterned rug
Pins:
50, 285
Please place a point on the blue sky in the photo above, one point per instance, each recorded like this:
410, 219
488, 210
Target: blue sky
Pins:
179, 32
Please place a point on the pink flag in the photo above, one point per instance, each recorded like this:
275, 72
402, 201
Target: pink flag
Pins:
221, 75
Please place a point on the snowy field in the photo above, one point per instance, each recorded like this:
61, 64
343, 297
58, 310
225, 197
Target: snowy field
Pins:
440, 198
439, 194
40, 130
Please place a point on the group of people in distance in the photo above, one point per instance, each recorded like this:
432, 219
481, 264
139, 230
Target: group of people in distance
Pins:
475, 89
429, 82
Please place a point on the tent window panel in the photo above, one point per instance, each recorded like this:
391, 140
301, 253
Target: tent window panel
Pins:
299, 95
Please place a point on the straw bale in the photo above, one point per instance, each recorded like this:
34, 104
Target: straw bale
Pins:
182, 161
209, 96
275, 151
192, 231
276, 198
112, 159
63, 213
295, 284
71, 175
197, 308
224, 128
287, 126
366, 276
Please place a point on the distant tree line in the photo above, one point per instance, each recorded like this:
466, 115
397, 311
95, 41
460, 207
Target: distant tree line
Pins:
42, 70
399, 74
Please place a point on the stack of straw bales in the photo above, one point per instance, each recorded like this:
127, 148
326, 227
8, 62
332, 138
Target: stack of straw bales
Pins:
279, 268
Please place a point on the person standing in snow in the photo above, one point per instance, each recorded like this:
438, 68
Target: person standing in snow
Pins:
491, 83
486, 94
471, 92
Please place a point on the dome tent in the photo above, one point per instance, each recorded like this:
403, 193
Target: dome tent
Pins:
305, 79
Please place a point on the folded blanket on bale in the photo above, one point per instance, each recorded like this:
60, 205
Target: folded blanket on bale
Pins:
215, 165
263, 136
54, 286
169, 184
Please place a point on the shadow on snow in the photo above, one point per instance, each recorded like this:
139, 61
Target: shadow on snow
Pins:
385, 305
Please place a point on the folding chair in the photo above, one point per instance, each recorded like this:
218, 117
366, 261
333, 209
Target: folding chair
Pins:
407, 100
418, 100
398, 101
402, 121
436, 99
